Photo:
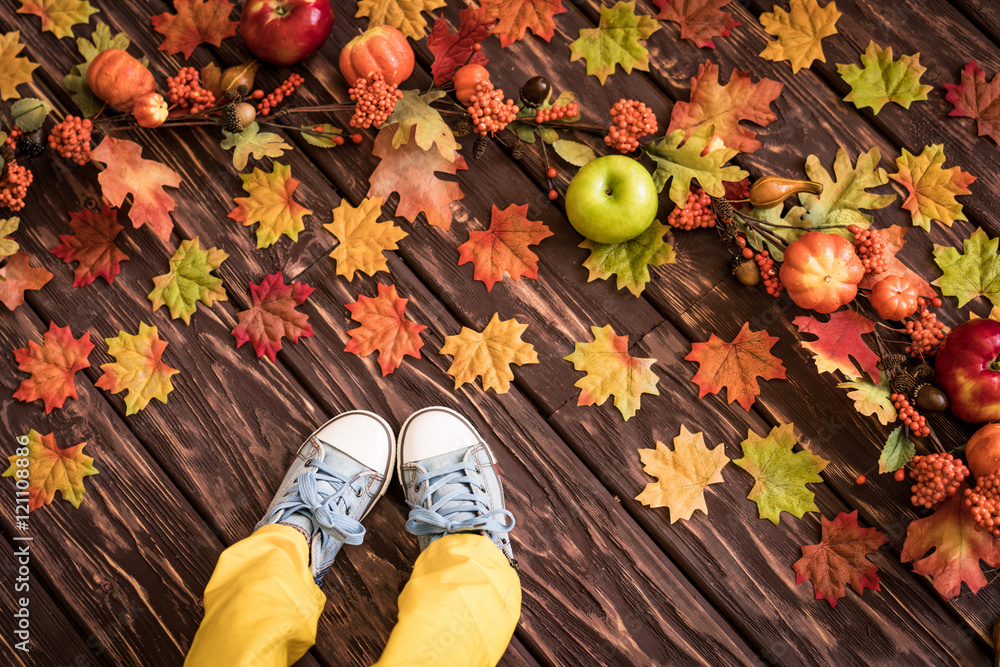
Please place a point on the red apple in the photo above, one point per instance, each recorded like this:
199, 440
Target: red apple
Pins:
968, 370
285, 32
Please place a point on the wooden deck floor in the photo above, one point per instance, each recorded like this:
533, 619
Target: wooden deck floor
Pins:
606, 580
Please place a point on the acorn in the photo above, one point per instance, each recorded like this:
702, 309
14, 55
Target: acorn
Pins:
930, 398
770, 191
245, 113
748, 273
535, 91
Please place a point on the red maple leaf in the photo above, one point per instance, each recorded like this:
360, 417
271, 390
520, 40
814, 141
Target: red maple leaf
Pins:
452, 50
516, 16
736, 365
839, 339
894, 238
504, 246
128, 173
272, 315
958, 548
409, 170
384, 327
20, 277
975, 98
93, 245
840, 558
196, 22
52, 366
724, 106
700, 20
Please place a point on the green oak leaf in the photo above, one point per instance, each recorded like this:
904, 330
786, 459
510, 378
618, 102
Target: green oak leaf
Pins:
897, 452
780, 474
415, 110
881, 79
574, 152
846, 189
29, 113
326, 141
679, 163
252, 140
189, 280
615, 41
974, 273
630, 261
872, 399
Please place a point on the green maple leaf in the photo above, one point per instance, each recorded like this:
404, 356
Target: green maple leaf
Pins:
780, 474
846, 190
415, 110
881, 79
931, 187
189, 280
897, 452
974, 273
680, 163
630, 260
252, 140
76, 81
615, 41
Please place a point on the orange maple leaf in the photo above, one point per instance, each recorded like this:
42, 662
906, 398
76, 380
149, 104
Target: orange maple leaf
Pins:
517, 16
271, 204
503, 248
700, 20
839, 339
52, 366
840, 558
138, 368
51, 469
272, 315
19, 277
409, 170
385, 328
92, 245
196, 22
128, 173
736, 365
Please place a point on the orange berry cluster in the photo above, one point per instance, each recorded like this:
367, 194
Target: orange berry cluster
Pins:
186, 92
870, 249
926, 333
14, 185
557, 112
12, 136
490, 113
71, 139
772, 283
937, 478
984, 503
915, 421
374, 99
280, 93
698, 212
631, 120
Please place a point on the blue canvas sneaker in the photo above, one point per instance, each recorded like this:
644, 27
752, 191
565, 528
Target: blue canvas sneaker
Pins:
451, 480
333, 482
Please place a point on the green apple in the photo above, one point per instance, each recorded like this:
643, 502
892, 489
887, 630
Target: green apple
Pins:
611, 199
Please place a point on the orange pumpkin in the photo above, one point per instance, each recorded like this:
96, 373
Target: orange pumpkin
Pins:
982, 452
821, 272
379, 50
465, 80
118, 78
895, 297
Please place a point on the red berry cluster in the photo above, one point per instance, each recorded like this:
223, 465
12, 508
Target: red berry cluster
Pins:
937, 478
374, 99
631, 120
185, 91
490, 113
71, 139
12, 136
772, 283
870, 249
280, 93
557, 112
984, 502
915, 421
697, 212
926, 333
14, 185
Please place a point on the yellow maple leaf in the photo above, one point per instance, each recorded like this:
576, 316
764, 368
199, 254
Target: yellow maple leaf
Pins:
871, 399
138, 367
489, 354
800, 31
14, 70
58, 16
682, 474
612, 371
401, 14
51, 469
362, 239
270, 203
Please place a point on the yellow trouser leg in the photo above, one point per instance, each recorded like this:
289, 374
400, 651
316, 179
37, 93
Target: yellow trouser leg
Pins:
261, 604
459, 608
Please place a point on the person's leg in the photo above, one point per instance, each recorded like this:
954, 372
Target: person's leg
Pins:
463, 601
263, 601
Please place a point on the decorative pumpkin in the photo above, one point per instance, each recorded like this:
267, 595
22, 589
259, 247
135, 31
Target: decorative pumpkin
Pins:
895, 297
982, 452
118, 78
821, 272
380, 50
465, 80
150, 110
770, 191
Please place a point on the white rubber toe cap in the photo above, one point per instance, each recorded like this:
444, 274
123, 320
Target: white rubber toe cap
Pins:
363, 436
434, 431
